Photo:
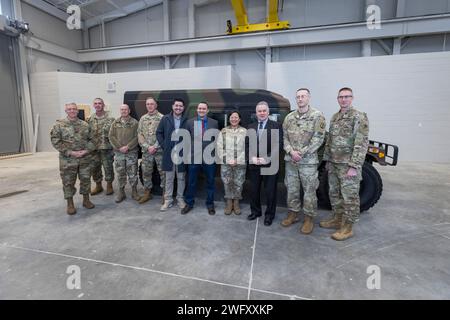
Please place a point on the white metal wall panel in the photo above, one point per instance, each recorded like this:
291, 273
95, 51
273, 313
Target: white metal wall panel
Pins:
405, 96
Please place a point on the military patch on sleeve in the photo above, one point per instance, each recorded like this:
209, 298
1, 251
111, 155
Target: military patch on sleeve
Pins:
322, 125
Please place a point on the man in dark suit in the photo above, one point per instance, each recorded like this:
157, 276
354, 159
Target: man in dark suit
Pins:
203, 130
263, 154
169, 123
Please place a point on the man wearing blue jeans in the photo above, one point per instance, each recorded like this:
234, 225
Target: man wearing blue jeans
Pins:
203, 131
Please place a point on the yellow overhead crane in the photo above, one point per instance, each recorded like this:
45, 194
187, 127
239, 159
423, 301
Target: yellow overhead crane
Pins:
272, 22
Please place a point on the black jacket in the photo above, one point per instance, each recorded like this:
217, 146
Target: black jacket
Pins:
163, 134
270, 125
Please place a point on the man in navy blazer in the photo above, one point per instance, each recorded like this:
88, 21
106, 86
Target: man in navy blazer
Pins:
263, 162
168, 124
203, 131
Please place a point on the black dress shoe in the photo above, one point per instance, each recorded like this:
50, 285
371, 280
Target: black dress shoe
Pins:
253, 216
186, 209
211, 211
268, 221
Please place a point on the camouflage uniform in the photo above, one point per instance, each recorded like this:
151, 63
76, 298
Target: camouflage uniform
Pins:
231, 146
346, 147
147, 138
304, 133
66, 136
124, 132
104, 155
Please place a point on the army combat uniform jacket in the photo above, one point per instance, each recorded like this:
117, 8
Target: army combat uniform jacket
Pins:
147, 131
348, 138
67, 135
304, 133
99, 127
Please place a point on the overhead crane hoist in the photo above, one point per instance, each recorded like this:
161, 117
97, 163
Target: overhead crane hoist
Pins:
272, 21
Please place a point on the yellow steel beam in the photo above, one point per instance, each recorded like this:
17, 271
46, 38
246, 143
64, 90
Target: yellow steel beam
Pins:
260, 27
272, 21
240, 12
273, 11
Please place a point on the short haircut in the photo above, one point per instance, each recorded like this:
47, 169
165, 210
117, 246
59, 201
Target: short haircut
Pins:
262, 103
100, 100
179, 100
156, 101
345, 89
70, 104
204, 103
305, 89
124, 104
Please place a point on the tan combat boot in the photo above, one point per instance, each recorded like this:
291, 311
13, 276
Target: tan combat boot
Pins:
344, 232
109, 188
87, 203
147, 196
308, 225
236, 208
98, 188
71, 207
333, 223
228, 207
291, 218
134, 194
120, 195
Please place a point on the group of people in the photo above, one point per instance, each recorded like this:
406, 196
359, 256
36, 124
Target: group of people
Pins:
176, 145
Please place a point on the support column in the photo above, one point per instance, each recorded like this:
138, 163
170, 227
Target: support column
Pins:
166, 30
191, 30
267, 61
400, 13
23, 85
366, 45
102, 27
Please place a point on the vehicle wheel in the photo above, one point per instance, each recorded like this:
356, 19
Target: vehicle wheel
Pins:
370, 191
371, 187
322, 192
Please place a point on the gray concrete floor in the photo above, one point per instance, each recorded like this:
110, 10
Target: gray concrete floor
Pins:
131, 251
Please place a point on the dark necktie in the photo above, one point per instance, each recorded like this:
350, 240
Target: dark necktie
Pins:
260, 129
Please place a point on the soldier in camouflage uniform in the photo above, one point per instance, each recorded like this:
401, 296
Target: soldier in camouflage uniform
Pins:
345, 151
230, 150
99, 124
151, 152
72, 138
123, 138
304, 133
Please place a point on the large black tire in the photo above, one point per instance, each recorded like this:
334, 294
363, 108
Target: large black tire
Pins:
371, 187
370, 190
323, 197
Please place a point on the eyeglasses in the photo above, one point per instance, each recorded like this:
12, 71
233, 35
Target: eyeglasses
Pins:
345, 97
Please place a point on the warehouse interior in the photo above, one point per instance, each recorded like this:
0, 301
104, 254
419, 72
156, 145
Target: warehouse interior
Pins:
399, 72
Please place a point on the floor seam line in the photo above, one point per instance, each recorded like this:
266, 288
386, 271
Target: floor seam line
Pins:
151, 270
253, 259
126, 266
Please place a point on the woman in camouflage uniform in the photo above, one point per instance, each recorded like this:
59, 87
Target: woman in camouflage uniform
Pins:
231, 154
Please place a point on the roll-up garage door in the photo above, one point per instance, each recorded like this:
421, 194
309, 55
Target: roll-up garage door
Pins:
10, 115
